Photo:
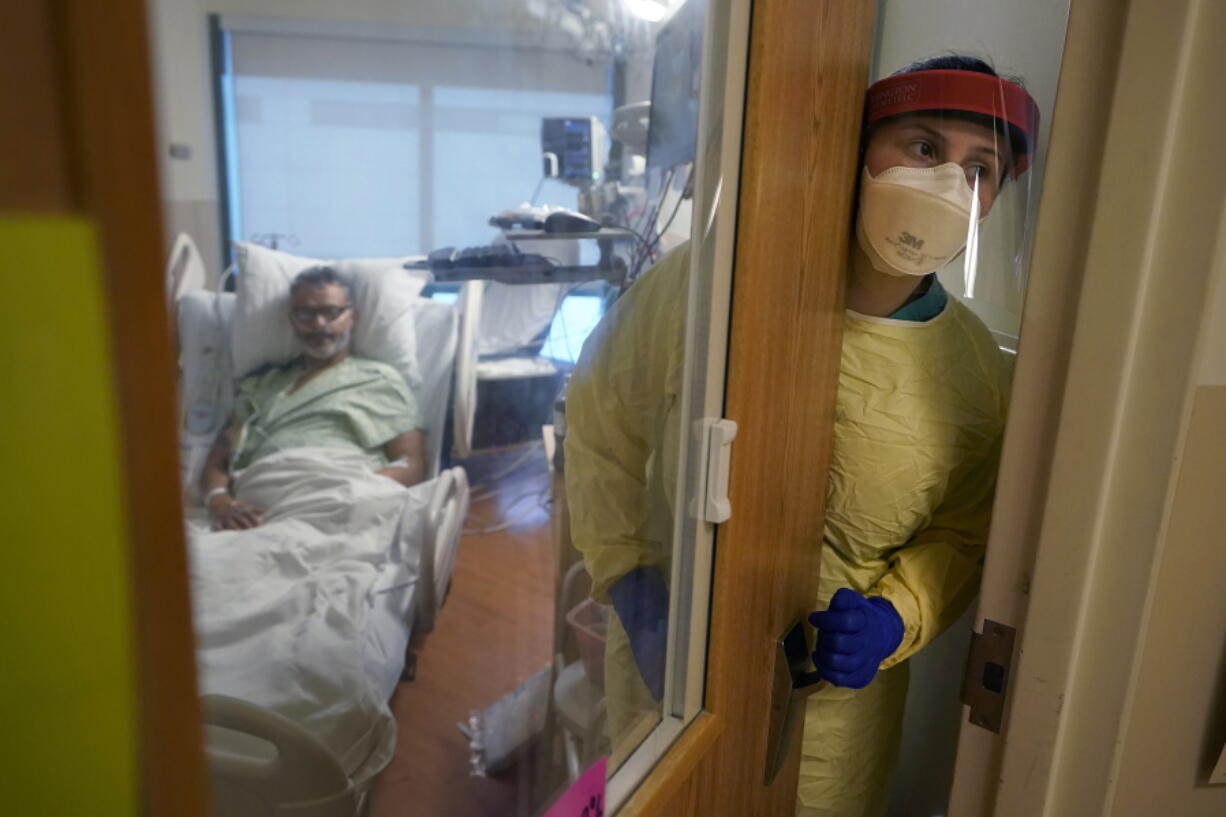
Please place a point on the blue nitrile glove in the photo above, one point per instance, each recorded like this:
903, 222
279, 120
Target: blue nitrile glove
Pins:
854, 635
641, 601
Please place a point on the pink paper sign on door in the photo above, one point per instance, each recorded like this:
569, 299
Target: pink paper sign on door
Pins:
585, 797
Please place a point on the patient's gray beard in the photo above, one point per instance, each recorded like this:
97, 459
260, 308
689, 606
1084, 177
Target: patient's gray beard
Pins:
331, 350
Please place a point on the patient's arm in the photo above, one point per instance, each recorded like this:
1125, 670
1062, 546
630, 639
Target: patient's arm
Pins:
227, 512
409, 446
216, 472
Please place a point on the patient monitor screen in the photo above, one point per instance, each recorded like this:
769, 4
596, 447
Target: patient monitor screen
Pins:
673, 132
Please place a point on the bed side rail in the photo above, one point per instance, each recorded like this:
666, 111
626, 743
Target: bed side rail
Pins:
298, 777
444, 519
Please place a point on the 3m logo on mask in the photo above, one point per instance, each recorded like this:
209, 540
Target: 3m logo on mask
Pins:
901, 204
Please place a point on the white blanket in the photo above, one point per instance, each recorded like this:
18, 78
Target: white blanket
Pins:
282, 611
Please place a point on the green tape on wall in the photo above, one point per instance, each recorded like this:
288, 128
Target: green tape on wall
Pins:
66, 679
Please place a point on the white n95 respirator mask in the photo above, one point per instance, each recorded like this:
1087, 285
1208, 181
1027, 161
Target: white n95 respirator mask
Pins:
914, 220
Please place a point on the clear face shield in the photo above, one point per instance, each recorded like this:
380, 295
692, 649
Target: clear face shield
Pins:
944, 186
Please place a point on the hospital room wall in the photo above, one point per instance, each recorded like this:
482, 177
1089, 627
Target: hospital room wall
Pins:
183, 86
179, 49
1175, 724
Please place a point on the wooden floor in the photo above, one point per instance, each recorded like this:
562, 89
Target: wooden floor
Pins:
495, 630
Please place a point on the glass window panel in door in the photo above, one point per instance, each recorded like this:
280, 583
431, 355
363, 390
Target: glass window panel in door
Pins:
363, 137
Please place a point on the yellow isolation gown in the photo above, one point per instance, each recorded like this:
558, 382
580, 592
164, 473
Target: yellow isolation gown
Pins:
919, 419
917, 433
622, 422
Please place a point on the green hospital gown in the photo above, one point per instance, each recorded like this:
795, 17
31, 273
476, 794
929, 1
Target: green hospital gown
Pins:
357, 404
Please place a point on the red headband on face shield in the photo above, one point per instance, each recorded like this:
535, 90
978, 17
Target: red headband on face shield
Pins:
953, 90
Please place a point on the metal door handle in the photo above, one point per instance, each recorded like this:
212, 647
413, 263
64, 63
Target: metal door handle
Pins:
793, 682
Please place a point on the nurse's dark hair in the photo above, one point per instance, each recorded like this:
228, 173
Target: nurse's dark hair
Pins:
953, 62
964, 62
320, 276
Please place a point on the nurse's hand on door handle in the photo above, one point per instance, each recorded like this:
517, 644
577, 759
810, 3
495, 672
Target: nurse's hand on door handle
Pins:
854, 635
641, 601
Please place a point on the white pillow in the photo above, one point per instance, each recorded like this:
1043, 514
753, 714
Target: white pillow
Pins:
383, 294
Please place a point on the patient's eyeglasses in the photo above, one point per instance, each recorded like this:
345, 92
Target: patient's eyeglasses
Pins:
306, 314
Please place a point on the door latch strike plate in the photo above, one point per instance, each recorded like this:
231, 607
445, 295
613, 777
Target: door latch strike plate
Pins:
988, 668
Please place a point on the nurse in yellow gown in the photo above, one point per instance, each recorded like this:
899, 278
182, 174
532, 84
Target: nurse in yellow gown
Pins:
920, 414
622, 441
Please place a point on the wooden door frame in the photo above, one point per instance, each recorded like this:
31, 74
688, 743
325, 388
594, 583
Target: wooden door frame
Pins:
808, 68
84, 130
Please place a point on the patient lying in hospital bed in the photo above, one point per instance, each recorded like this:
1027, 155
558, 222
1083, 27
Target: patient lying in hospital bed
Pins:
325, 398
318, 543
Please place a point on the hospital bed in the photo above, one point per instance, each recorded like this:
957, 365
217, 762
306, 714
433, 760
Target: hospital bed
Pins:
263, 762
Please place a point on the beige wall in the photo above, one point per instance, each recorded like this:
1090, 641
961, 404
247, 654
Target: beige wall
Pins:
1175, 729
1177, 723
1213, 345
1087, 680
179, 47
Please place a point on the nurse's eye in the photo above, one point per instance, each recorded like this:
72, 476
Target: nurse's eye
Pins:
987, 174
923, 149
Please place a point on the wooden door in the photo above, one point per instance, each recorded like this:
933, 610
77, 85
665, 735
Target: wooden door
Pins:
807, 69
87, 149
